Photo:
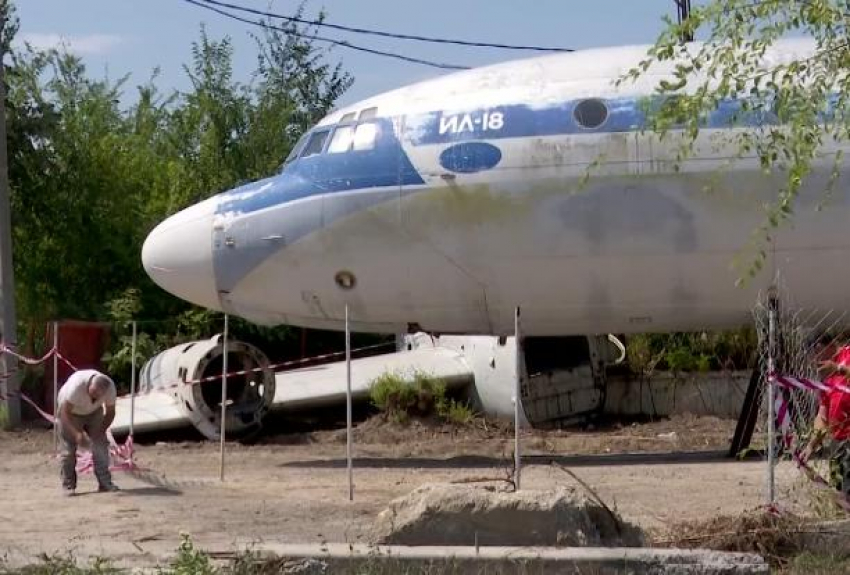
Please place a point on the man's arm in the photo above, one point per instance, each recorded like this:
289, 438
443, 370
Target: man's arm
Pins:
818, 433
109, 416
829, 367
64, 416
826, 368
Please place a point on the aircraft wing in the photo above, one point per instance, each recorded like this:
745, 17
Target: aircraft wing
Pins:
153, 411
326, 384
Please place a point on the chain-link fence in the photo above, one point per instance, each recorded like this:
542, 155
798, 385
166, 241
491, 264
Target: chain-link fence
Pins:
794, 343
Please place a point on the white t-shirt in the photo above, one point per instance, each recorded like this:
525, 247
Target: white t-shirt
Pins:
75, 392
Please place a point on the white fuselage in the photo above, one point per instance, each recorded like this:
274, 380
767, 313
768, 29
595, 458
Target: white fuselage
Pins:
453, 202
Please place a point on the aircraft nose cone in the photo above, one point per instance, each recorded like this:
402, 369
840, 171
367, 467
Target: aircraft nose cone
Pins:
178, 256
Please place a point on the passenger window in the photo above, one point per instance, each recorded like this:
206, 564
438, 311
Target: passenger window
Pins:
341, 142
591, 113
316, 144
365, 136
368, 114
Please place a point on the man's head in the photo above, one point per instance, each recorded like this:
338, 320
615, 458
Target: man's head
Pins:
98, 386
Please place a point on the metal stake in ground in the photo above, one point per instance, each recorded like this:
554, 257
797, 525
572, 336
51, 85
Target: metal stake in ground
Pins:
348, 404
517, 387
223, 394
773, 304
133, 383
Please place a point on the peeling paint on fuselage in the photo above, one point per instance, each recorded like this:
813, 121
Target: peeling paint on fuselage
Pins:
588, 230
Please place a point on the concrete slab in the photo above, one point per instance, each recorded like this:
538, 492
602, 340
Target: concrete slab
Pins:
585, 560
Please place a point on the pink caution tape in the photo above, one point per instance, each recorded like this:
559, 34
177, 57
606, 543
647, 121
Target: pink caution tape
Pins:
274, 366
285, 364
24, 359
807, 384
122, 455
783, 423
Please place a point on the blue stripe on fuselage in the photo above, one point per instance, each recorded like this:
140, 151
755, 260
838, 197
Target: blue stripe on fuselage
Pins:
523, 121
388, 165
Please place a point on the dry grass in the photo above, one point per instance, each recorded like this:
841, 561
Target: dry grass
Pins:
811, 564
782, 539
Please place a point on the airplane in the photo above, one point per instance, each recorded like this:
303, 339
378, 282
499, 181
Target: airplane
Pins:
445, 205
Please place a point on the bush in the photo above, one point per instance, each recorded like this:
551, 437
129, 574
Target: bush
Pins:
189, 560
691, 352
392, 396
425, 395
458, 413
62, 565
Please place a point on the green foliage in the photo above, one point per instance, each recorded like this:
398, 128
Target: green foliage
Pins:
62, 565
190, 561
430, 393
121, 310
692, 352
190, 325
392, 395
89, 178
424, 396
805, 100
813, 564
457, 413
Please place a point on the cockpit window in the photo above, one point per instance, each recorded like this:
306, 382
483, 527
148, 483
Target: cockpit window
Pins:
296, 149
341, 142
365, 136
368, 114
349, 117
316, 144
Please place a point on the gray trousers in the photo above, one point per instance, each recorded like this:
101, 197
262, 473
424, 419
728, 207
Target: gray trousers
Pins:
91, 424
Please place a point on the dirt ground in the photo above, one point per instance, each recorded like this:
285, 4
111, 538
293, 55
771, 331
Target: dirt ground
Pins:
293, 488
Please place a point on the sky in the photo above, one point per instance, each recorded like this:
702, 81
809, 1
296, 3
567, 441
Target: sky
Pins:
119, 37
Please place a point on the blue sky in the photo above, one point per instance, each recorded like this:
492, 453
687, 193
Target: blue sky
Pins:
117, 37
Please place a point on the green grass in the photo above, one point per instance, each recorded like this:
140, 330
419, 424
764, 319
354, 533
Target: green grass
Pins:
810, 564
61, 565
192, 561
425, 396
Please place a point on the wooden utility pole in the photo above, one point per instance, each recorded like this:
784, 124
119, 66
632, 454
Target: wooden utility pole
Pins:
7, 280
684, 10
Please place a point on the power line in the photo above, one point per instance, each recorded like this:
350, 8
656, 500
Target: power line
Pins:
329, 40
385, 34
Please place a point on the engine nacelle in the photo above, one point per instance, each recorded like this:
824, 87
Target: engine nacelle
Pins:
191, 374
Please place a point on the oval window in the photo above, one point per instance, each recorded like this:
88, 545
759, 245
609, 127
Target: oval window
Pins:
591, 113
470, 157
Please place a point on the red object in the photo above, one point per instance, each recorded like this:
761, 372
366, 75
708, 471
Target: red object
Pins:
80, 342
837, 402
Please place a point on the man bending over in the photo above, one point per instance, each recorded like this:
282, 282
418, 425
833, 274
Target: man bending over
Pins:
86, 408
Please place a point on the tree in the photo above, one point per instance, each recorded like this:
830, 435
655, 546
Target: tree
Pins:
800, 104
90, 178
